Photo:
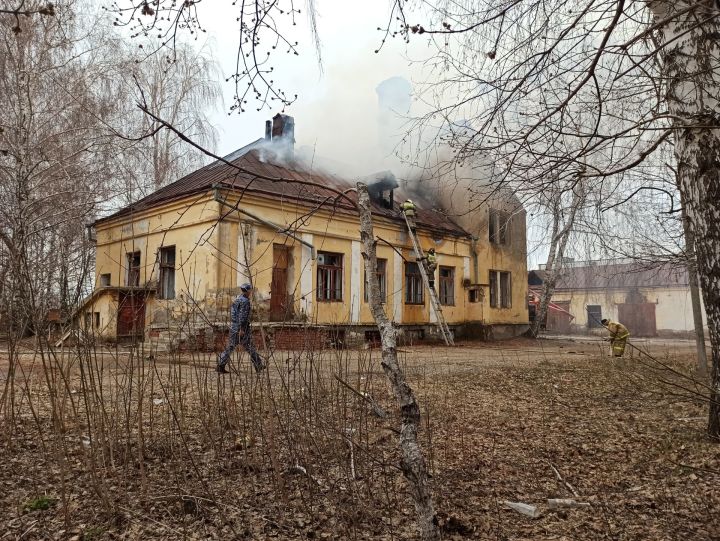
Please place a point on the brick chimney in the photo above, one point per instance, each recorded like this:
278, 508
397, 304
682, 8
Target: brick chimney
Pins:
283, 129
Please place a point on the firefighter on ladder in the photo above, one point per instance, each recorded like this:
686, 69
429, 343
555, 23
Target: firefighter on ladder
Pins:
430, 262
408, 209
618, 336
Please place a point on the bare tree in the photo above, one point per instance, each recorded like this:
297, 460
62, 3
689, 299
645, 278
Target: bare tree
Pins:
642, 75
563, 214
181, 88
413, 462
51, 172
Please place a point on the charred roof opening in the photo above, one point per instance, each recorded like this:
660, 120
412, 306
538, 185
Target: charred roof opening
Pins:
381, 188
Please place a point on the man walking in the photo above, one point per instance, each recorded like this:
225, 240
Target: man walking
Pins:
240, 331
618, 336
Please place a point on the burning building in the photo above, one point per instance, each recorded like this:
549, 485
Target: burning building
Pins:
169, 265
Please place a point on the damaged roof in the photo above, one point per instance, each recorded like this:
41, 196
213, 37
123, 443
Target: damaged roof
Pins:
257, 168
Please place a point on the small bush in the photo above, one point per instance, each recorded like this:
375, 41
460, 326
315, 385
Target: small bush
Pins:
41, 503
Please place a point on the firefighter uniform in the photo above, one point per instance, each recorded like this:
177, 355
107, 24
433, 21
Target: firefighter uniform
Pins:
619, 335
408, 208
430, 261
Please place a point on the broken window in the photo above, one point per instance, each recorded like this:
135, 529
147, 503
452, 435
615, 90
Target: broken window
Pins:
133, 269
381, 268
167, 272
105, 280
329, 276
447, 286
499, 227
413, 284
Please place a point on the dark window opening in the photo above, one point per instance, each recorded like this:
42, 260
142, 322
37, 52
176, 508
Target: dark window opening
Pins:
105, 280
447, 286
413, 284
474, 295
594, 312
329, 277
493, 289
133, 269
382, 280
167, 272
499, 227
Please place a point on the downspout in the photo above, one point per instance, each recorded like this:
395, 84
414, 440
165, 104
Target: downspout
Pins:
476, 271
476, 268
278, 228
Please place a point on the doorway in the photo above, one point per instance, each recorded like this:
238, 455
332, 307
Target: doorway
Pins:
131, 314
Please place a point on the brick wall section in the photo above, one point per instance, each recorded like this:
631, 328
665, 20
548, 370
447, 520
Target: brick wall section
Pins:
278, 338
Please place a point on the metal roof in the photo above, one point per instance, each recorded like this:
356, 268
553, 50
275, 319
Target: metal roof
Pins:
259, 168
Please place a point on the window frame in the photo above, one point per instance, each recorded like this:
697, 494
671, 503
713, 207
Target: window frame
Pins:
414, 287
506, 292
382, 279
591, 321
499, 227
105, 279
133, 271
447, 298
166, 270
493, 286
333, 273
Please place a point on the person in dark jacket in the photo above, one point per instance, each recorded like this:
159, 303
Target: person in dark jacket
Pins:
240, 331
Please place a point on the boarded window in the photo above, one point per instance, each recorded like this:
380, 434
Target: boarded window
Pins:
382, 280
329, 277
499, 227
594, 313
105, 280
413, 284
447, 286
133, 269
167, 272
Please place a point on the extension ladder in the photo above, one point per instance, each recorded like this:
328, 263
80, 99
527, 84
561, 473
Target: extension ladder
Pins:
434, 301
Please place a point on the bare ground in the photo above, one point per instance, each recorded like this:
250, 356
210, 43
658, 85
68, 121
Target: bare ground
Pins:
297, 456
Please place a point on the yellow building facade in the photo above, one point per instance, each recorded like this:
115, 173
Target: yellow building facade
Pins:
174, 262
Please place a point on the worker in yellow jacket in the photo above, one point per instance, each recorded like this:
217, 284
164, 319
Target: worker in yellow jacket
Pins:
619, 335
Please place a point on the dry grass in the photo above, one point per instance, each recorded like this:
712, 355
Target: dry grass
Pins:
202, 457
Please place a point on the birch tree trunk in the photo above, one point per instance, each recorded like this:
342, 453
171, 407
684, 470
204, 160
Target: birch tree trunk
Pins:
694, 294
558, 242
691, 71
413, 462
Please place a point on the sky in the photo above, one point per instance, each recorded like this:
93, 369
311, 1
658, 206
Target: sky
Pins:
336, 113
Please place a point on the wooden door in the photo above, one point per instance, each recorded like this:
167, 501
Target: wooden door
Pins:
279, 299
639, 318
131, 314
